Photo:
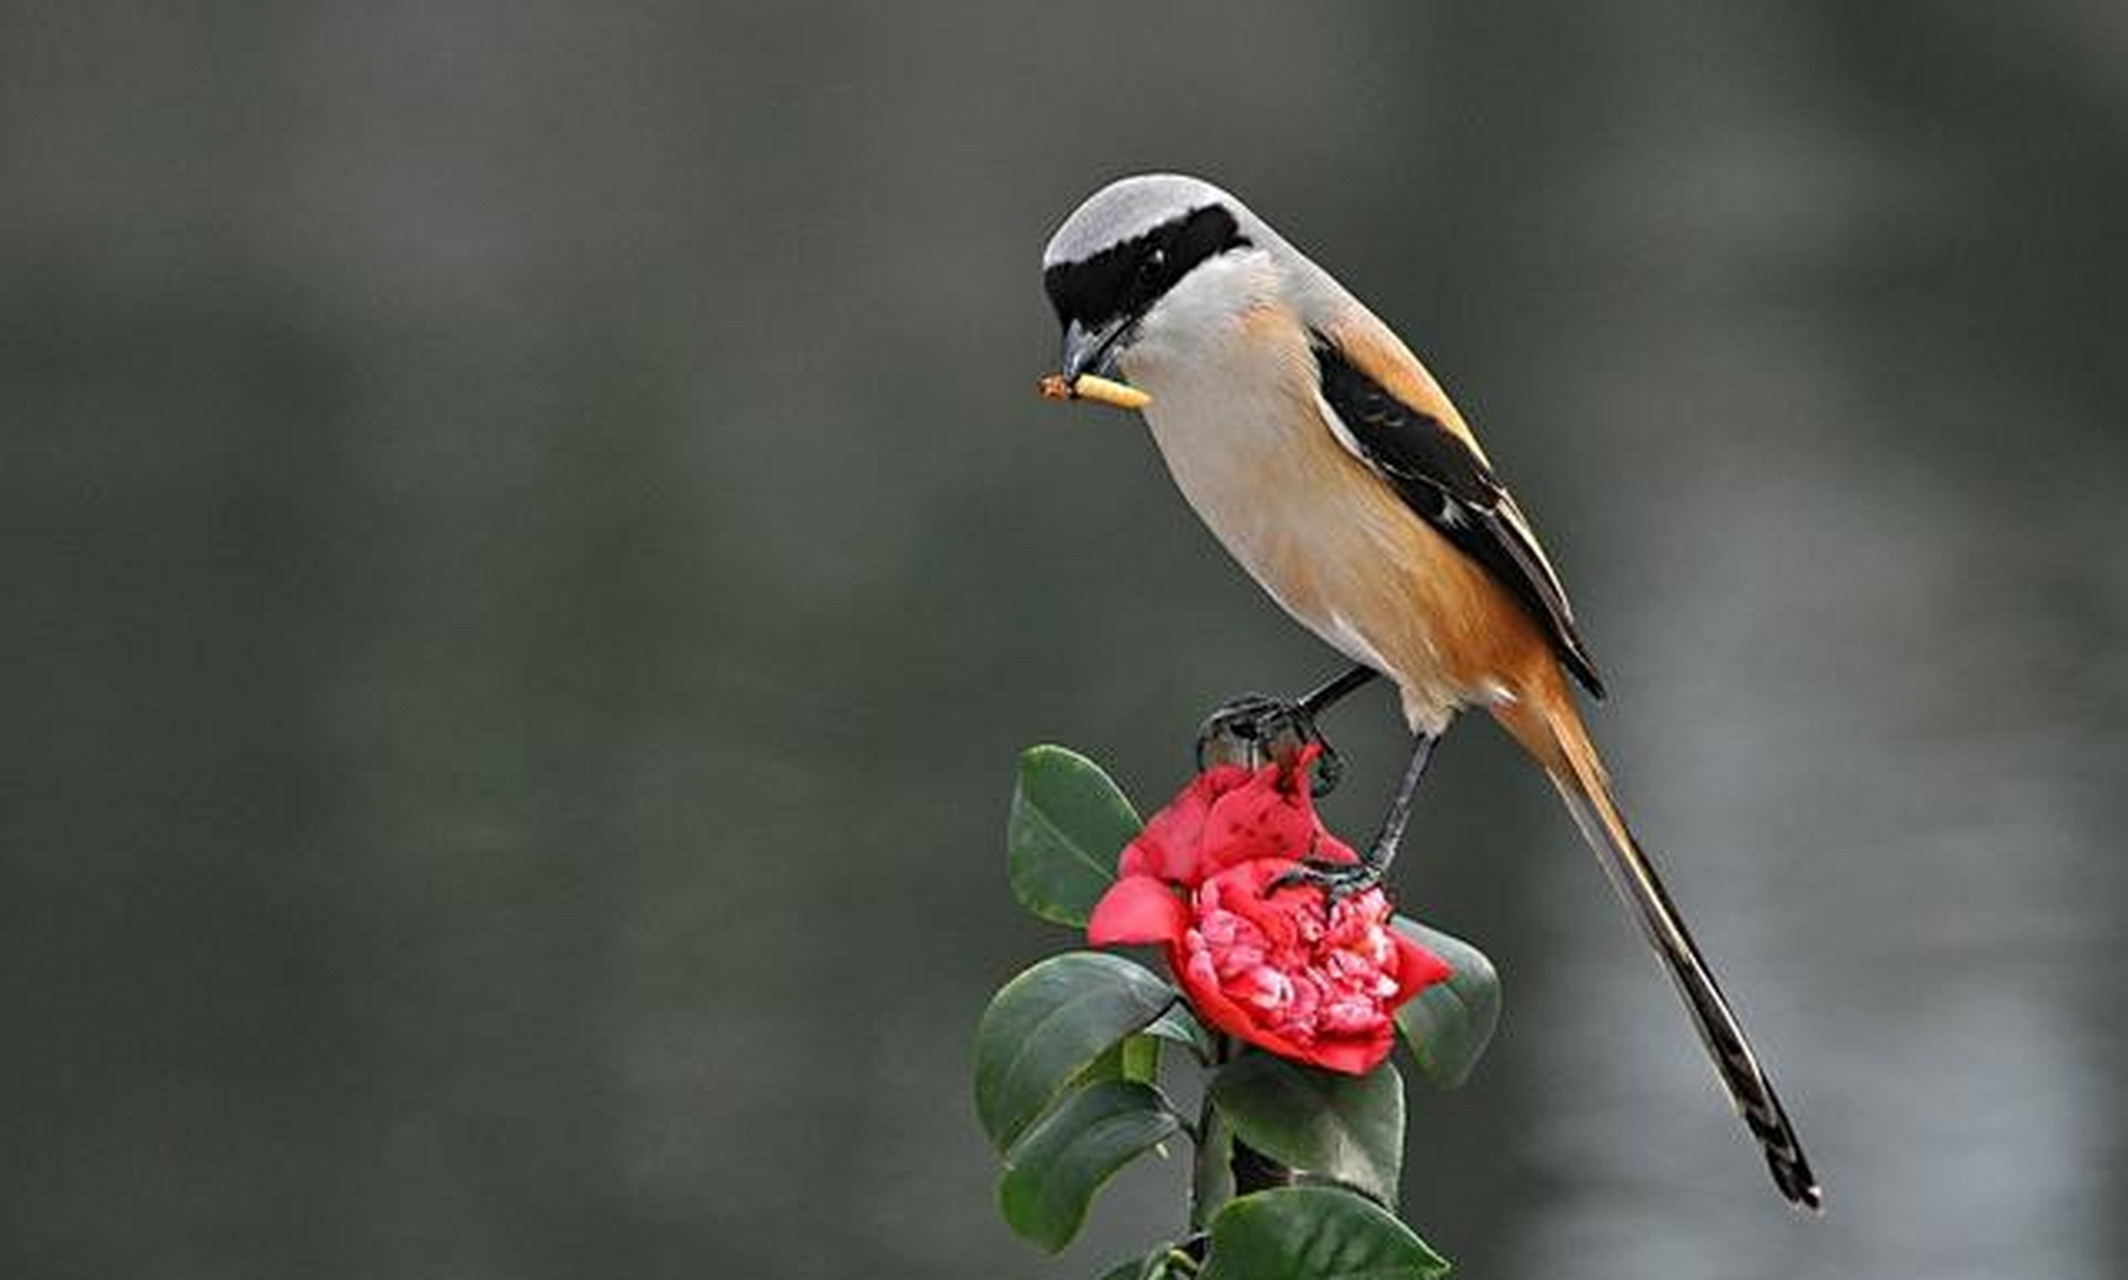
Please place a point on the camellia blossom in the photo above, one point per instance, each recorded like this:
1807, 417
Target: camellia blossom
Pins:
1229, 814
1281, 966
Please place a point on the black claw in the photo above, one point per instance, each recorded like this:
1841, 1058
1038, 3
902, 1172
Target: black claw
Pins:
1329, 769
1337, 880
1258, 725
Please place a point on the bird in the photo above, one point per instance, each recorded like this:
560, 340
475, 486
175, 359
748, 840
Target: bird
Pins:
1329, 463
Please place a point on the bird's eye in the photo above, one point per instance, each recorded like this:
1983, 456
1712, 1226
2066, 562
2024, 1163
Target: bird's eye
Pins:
1149, 267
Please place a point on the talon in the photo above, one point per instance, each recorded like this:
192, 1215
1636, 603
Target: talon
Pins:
1247, 729
1237, 729
1337, 880
1329, 768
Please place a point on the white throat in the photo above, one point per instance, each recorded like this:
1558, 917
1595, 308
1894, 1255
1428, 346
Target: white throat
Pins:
1237, 418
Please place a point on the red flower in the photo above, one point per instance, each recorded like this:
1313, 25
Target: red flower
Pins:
1282, 968
1229, 814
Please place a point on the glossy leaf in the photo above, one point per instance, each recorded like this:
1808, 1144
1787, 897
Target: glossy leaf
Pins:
1449, 1024
1315, 1233
1047, 1025
1067, 825
1141, 1059
1211, 1169
1181, 1027
1153, 1266
1346, 1128
1135, 1057
1053, 1172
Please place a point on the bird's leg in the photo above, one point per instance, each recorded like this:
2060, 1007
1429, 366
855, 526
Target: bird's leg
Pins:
1343, 879
1384, 850
1255, 725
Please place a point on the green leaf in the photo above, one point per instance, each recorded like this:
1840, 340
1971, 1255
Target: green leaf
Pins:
1141, 1059
1153, 1266
1181, 1026
1047, 1025
1315, 1233
1068, 823
1211, 1170
1346, 1128
1449, 1024
1134, 1057
1052, 1174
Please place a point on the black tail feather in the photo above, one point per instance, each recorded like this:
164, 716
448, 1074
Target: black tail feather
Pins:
1633, 874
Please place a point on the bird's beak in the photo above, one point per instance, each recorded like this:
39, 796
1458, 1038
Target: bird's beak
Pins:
1093, 350
1090, 366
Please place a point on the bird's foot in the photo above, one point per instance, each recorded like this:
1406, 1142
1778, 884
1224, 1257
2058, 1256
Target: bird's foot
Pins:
1337, 880
1255, 727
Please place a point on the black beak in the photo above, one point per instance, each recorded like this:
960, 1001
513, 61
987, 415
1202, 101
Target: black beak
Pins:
1094, 350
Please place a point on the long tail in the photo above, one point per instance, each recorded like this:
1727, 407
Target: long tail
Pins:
1555, 735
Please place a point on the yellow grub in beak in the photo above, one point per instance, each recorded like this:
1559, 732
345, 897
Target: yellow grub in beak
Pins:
1099, 390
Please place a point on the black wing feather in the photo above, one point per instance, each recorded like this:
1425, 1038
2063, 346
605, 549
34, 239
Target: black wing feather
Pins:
1449, 486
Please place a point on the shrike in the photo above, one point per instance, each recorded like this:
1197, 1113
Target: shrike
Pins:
1332, 466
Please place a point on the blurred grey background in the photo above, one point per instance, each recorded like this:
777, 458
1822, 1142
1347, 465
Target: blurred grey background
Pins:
530, 548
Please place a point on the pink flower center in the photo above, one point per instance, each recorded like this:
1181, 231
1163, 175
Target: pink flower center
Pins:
1304, 974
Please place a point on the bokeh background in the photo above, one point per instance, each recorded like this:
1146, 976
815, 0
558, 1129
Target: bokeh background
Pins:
530, 549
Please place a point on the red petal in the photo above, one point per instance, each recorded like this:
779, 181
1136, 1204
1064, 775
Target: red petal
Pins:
1271, 816
1328, 848
1245, 889
1170, 846
1213, 1006
1137, 909
1149, 855
1417, 968
1353, 1056
1258, 820
1356, 1056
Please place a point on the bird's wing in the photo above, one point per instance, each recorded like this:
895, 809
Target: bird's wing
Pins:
1429, 458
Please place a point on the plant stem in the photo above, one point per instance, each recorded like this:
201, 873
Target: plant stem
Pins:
1211, 1168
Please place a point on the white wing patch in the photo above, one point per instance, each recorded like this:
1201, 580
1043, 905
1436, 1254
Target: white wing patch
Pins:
1341, 431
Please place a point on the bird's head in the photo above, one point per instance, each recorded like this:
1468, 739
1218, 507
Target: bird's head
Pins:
1145, 266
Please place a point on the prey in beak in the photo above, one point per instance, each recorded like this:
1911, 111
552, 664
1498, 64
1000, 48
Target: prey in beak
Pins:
1089, 357
1092, 386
